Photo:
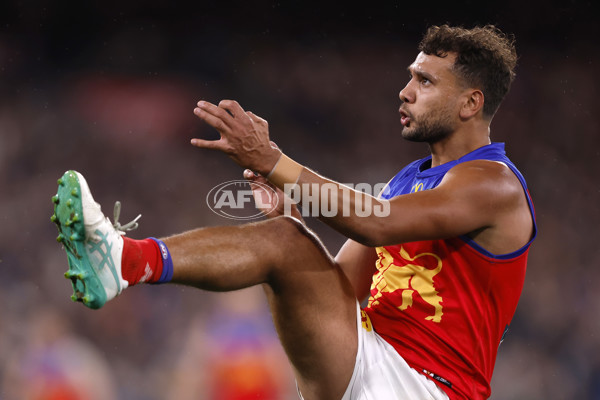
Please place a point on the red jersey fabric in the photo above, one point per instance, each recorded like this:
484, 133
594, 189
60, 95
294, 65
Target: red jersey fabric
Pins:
445, 305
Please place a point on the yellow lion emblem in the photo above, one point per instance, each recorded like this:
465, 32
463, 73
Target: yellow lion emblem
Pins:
410, 279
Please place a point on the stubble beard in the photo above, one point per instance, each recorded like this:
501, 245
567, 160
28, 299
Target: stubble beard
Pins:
431, 127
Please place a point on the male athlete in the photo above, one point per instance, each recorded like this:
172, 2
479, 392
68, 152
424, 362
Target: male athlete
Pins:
444, 267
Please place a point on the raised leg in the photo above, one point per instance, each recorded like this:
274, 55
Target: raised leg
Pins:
311, 300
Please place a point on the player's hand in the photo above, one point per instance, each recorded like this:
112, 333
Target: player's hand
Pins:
270, 199
244, 136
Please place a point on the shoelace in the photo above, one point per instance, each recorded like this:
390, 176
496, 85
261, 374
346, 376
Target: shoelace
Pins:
122, 229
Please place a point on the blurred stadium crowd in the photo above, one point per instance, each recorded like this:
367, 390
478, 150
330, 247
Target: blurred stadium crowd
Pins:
110, 92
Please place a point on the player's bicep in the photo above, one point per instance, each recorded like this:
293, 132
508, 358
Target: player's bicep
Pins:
469, 198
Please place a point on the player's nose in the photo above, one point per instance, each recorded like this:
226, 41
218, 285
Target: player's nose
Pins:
405, 95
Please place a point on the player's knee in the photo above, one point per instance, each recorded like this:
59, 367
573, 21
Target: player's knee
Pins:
298, 235
298, 249
291, 222
291, 226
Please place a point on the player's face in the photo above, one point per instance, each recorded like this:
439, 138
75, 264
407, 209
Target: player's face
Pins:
430, 110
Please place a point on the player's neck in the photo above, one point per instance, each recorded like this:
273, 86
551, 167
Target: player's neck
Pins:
458, 144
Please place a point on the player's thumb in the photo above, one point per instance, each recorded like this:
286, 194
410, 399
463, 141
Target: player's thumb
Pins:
208, 144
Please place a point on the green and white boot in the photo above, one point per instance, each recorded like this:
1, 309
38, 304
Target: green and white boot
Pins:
93, 244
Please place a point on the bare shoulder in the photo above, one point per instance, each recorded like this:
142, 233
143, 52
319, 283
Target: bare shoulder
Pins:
492, 179
495, 194
486, 168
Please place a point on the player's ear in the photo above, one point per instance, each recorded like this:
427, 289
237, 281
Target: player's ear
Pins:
473, 103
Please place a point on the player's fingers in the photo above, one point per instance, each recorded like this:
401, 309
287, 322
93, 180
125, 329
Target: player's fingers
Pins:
260, 187
208, 115
261, 179
232, 106
209, 144
252, 116
254, 177
216, 111
274, 145
249, 175
212, 108
255, 118
257, 181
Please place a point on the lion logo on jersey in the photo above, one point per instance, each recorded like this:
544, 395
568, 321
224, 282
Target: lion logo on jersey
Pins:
413, 277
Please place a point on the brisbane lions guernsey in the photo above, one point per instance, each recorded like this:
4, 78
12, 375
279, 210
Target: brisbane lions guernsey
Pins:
445, 305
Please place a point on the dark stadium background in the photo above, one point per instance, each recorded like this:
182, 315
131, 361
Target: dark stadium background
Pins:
108, 88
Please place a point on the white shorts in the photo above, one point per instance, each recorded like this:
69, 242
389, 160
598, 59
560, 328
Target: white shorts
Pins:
381, 373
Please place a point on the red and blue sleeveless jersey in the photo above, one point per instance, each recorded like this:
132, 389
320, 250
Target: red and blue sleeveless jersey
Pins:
445, 305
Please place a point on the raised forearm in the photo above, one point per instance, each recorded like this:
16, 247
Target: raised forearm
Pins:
356, 214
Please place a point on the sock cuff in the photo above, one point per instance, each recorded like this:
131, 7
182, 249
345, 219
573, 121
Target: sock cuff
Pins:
167, 269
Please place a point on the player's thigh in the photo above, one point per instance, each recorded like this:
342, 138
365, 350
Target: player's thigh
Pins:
314, 311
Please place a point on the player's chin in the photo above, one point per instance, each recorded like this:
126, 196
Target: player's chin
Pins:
410, 134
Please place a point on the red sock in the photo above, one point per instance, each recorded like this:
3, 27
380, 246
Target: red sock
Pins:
141, 262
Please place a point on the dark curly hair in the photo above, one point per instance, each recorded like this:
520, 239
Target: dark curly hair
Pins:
485, 58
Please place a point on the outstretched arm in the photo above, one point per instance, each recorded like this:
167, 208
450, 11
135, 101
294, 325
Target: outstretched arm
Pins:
472, 197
